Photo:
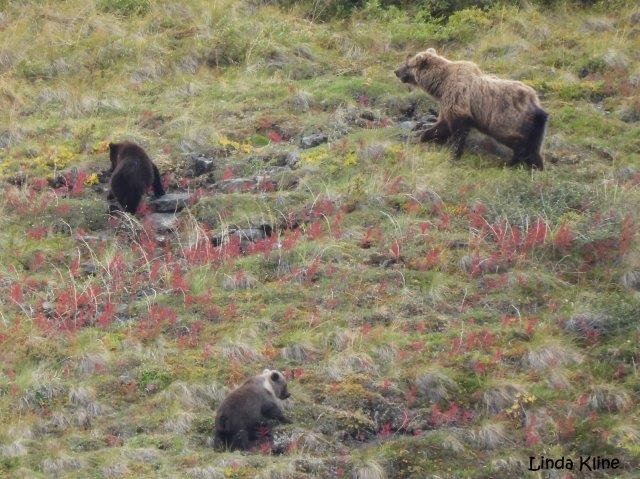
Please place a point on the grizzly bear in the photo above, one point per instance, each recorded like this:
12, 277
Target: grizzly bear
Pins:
133, 173
506, 110
241, 412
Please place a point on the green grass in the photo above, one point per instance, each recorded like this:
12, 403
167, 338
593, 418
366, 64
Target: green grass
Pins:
436, 318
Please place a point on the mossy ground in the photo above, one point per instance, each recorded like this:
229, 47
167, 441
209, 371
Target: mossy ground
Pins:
435, 319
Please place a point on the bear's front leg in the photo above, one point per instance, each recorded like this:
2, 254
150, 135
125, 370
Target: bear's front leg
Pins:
272, 411
459, 131
241, 440
437, 133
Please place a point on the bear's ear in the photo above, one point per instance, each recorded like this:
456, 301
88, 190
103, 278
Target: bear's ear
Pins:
266, 371
113, 154
431, 50
275, 377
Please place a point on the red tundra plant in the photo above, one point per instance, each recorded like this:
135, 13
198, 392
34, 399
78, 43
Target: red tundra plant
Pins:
74, 182
627, 233
38, 184
322, 208
37, 261
444, 221
394, 250
336, 225
371, 236
274, 136
535, 235
531, 435
228, 173
393, 186
290, 240
563, 238
107, 315
385, 431
430, 260
476, 216
264, 246
200, 253
38, 233
453, 415
158, 317
143, 209
15, 293
315, 230
178, 282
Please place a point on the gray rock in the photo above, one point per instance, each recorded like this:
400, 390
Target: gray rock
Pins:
408, 125
170, 203
626, 173
428, 119
369, 115
201, 165
585, 323
301, 101
163, 222
313, 140
247, 236
292, 159
234, 185
630, 113
616, 60
631, 280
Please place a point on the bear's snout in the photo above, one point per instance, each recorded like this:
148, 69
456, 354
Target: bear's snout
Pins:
404, 75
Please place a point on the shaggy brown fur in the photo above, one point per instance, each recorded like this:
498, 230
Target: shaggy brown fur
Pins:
506, 110
242, 411
133, 173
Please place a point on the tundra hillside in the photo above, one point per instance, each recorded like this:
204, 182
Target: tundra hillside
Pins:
433, 319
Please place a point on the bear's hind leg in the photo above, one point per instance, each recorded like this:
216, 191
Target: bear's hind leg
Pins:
241, 440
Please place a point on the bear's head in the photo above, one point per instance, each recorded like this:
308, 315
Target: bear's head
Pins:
408, 71
277, 383
114, 149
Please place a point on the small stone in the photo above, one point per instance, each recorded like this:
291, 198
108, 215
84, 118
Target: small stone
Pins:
202, 165
313, 140
88, 269
627, 173
429, 119
170, 203
369, 115
163, 222
292, 159
48, 309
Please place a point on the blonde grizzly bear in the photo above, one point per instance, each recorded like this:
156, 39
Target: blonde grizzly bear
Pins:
506, 110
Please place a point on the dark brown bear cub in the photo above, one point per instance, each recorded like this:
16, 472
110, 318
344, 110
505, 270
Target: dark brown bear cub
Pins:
133, 173
507, 110
252, 404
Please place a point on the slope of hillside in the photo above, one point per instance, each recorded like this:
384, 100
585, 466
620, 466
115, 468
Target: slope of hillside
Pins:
435, 319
